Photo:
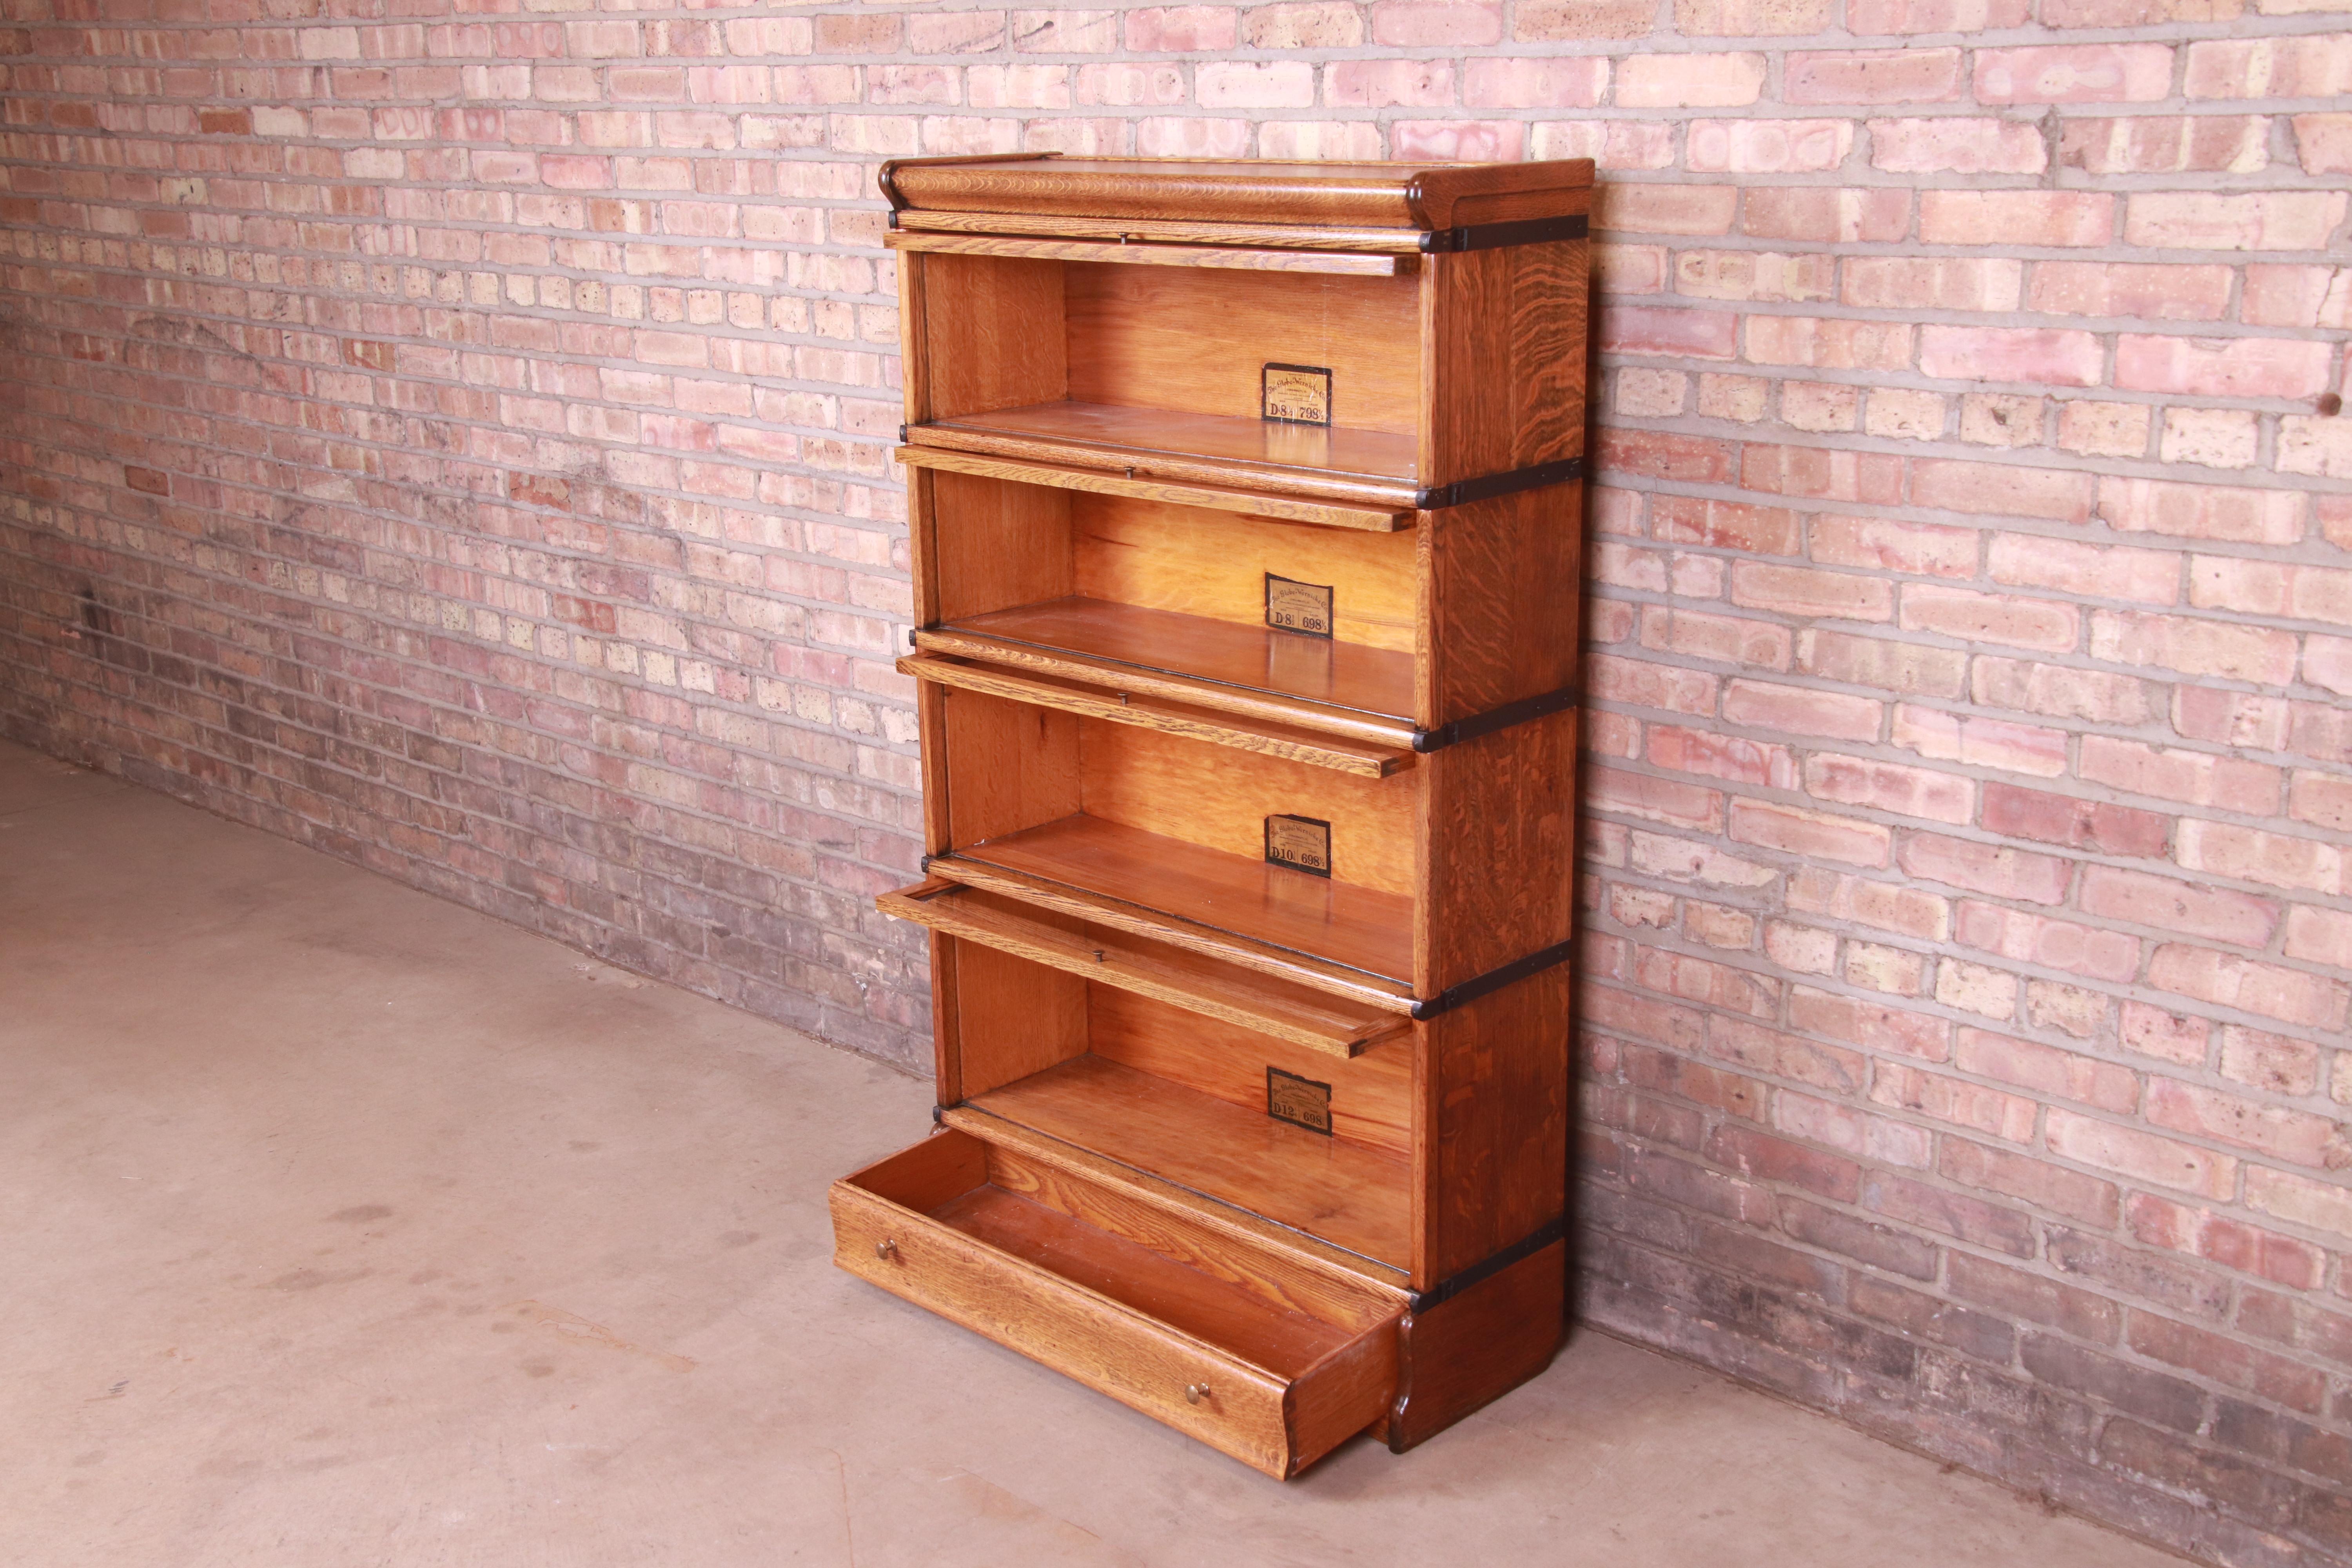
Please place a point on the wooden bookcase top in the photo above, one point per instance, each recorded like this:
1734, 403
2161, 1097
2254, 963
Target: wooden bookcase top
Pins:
1409, 196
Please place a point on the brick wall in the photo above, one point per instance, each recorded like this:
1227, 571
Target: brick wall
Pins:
458, 441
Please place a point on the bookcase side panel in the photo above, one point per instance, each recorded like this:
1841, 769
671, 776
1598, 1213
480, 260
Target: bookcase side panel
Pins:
1506, 357
1497, 1145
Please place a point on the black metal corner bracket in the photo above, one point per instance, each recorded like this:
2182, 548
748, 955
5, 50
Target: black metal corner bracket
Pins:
1518, 969
1494, 236
1439, 497
1427, 740
1525, 1248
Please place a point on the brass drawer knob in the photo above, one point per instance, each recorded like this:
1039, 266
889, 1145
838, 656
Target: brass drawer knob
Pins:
886, 1247
1195, 1392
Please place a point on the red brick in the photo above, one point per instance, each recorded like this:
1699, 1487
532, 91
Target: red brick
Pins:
1903, 668
1729, 639
1689, 459
1180, 29
2027, 560
1683, 334
2125, 288
2056, 494
2314, 66
2221, 367
1919, 549
1798, 710
1866, 17
2029, 1179
1728, 525
2323, 142
1952, 1099
1755, 275
2201, 512
2165, 144
2047, 1070
1888, 906
1983, 742
2295, 1137
2193, 647
1951, 1213
2075, 73
2153, 1032
1822, 475
1644, 684
2032, 1297
2025, 938
2061, 691
1826, 216
2059, 218
1890, 787
2045, 356
1828, 343
1690, 81
2216, 914
1945, 283
2279, 859
1550, 19
1767, 146
2142, 1156
1986, 868
1726, 757
1797, 591
1576, 82
2078, 823
2227, 1361
2288, 994
1808, 833
2206, 220
1448, 23
1873, 76
1657, 799
1953, 144
1972, 616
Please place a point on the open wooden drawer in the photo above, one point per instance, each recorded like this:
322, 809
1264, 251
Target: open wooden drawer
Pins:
1274, 1357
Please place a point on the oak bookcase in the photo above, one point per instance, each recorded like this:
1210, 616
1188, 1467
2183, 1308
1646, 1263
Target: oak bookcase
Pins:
1246, 520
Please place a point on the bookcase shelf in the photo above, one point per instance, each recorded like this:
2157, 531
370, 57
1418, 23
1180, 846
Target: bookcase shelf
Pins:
1246, 523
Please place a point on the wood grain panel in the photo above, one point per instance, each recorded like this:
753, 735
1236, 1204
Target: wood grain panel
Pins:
1170, 231
1253, 503
1221, 259
1102, 1342
1362, 927
993, 545
1497, 1166
1500, 864
1279, 1277
1196, 341
1220, 800
1238, 1225
1304, 747
1506, 590
1505, 339
992, 334
1348, 1193
1010, 765
1104, 435
1258, 1005
1013, 1018
1204, 564
1468, 1351
1313, 682
1371, 1095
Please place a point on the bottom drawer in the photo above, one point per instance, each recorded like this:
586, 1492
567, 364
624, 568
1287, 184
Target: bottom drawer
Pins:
1271, 1359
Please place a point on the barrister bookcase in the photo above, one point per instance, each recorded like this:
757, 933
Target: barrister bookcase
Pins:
1246, 514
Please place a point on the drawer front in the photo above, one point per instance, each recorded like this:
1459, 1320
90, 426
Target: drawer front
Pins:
1105, 1344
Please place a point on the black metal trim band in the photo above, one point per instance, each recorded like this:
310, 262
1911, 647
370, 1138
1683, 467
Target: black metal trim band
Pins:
1427, 740
1518, 969
1493, 235
1526, 1247
1439, 497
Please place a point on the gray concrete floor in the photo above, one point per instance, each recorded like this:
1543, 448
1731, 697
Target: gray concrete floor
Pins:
339, 1225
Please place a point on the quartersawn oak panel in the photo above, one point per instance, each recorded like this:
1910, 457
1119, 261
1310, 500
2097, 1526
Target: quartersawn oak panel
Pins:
1207, 563
1382, 462
1350, 1195
1358, 928
1196, 341
1345, 675
1220, 799
1371, 1095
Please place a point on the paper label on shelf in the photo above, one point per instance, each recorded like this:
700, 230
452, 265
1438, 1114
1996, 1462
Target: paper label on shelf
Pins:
1301, 1102
1298, 394
1301, 843
1297, 606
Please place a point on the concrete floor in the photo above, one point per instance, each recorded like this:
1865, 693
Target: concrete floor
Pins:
338, 1225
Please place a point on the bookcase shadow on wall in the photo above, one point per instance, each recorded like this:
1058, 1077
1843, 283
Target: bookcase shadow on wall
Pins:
1246, 517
